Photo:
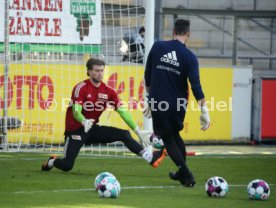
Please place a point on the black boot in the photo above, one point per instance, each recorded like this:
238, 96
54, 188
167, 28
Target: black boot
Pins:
186, 179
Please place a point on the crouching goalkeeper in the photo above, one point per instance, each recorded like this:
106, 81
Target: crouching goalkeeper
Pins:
90, 98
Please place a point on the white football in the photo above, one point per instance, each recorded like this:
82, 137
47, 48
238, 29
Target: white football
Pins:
258, 189
100, 177
109, 187
156, 141
216, 187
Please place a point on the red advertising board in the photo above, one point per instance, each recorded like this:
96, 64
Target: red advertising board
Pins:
268, 111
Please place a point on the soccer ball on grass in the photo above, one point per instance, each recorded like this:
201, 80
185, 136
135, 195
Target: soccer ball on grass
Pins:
258, 189
100, 177
216, 187
109, 187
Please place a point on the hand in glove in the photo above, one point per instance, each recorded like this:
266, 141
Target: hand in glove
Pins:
87, 123
204, 118
144, 136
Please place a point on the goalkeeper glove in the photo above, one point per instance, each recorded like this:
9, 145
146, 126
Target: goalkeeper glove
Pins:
144, 136
204, 118
87, 123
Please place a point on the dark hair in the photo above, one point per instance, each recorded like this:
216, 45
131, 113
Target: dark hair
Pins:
181, 27
94, 61
142, 29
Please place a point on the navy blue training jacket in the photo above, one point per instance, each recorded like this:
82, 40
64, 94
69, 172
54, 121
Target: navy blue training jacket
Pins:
170, 64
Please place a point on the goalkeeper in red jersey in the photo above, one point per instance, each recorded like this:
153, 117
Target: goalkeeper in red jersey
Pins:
89, 99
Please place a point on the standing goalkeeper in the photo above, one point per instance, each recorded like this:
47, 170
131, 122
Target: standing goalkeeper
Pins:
90, 98
169, 66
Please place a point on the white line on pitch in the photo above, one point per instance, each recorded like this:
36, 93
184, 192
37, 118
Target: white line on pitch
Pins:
123, 188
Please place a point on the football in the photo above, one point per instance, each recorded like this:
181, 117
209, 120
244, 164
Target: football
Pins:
156, 141
258, 189
109, 187
100, 177
216, 187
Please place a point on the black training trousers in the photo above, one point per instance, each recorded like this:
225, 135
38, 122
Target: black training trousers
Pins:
167, 125
74, 140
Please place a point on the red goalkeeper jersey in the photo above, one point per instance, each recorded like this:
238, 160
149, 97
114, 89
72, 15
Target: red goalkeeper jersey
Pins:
94, 101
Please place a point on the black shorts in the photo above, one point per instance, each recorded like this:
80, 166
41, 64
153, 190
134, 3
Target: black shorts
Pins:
167, 122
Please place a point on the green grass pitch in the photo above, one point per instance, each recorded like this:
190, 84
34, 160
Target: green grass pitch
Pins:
23, 184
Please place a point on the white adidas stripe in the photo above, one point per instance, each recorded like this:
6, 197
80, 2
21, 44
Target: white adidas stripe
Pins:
171, 55
174, 56
65, 147
77, 90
